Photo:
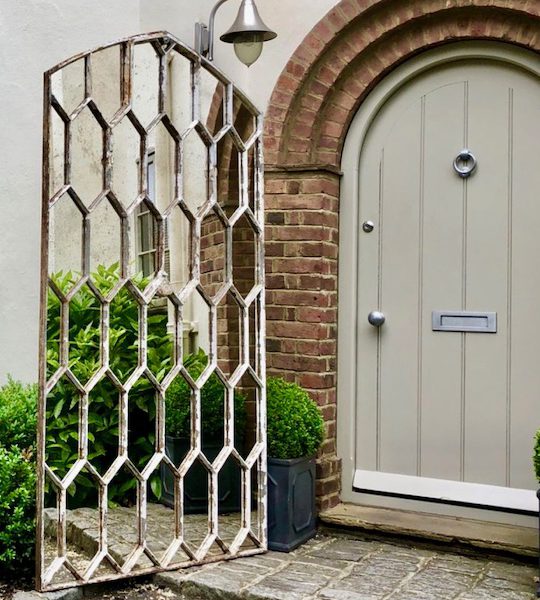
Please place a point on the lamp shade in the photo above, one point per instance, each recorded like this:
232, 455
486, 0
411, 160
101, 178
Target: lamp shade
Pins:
248, 26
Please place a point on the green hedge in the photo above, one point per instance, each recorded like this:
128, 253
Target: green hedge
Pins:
17, 511
18, 414
536, 455
84, 360
17, 477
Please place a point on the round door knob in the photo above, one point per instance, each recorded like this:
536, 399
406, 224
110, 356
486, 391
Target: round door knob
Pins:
376, 318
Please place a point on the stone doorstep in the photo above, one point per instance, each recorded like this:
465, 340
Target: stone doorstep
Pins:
495, 537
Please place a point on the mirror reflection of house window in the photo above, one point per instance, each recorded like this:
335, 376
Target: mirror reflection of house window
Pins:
146, 233
146, 226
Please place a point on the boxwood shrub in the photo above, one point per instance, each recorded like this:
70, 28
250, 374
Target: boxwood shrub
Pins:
295, 425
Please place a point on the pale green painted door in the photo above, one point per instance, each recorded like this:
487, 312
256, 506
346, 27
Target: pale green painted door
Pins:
445, 414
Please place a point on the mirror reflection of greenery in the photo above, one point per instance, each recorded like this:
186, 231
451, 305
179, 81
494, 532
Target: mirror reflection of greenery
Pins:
103, 415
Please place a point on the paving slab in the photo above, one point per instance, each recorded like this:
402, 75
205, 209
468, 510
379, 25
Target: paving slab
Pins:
334, 567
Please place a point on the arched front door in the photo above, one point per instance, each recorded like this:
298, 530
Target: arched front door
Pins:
441, 218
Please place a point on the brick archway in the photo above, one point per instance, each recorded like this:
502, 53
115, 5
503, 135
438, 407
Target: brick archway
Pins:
315, 99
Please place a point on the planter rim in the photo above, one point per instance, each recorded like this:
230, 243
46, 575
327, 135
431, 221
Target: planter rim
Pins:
289, 461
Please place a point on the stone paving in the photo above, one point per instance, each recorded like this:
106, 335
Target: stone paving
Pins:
333, 566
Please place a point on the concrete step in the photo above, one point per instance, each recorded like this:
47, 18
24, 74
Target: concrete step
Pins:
495, 537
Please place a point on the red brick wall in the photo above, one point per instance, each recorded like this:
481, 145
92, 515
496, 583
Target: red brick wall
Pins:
312, 106
301, 276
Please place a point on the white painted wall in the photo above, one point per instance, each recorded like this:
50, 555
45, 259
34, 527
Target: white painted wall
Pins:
37, 34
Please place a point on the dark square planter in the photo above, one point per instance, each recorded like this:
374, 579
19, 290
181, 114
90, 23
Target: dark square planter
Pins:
291, 503
196, 482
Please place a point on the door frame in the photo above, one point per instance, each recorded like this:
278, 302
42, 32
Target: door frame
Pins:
348, 270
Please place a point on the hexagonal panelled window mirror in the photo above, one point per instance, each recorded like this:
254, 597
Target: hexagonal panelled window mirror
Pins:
152, 447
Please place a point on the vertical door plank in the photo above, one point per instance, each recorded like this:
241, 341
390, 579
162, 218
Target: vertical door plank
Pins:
367, 416
399, 284
442, 281
486, 277
524, 409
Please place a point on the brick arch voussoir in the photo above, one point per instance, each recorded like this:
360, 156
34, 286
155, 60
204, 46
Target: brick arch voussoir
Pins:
314, 102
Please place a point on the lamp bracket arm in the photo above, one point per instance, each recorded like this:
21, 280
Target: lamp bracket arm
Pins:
205, 35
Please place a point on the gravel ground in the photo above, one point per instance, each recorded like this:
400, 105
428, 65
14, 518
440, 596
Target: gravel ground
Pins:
136, 590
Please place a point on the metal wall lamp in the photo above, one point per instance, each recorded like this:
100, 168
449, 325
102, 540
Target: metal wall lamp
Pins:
247, 33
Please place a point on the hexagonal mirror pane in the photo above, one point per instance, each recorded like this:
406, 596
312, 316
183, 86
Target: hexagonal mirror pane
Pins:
229, 492
179, 96
148, 245
250, 391
54, 319
145, 83
106, 88
123, 522
105, 246
228, 175
68, 85
84, 334
82, 515
87, 156
179, 240
163, 524
162, 343
103, 426
195, 174
50, 519
245, 121
230, 326
254, 180
245, 255
255, 348
213, 253
66, 219
142, 413
124, 334
196, 321
196, 485
57, 132
126, 161
255, 521
212, 94
164, 156
62, 427
54, 542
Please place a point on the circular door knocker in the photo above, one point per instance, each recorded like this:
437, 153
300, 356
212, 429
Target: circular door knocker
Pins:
465, 163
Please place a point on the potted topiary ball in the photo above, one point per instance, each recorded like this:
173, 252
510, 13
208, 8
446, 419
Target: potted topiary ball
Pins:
536, 463
295, 432
178, 443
